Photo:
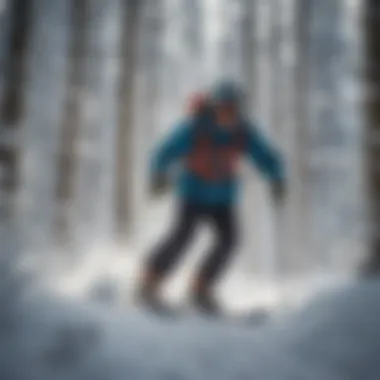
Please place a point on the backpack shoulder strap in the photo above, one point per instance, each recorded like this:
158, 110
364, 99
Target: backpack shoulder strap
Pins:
242, 134
200, 125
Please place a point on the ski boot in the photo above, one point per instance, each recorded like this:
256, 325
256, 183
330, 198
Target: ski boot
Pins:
202, 298
206, 303
149, 298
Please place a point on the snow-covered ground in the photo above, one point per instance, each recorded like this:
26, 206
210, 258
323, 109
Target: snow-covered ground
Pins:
45, 336
54, 327
73, 321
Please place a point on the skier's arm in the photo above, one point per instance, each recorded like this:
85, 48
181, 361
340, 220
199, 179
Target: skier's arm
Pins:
264, 156
167, 153
171, 148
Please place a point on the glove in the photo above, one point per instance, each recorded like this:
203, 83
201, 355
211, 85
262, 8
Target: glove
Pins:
159, 185
278, 191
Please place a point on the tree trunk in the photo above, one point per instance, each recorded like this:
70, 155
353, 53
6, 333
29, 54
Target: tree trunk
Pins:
248, 54
39, 135
5, 37
72, 116
125, 136
372, 65
301, 155
92, 206
151, 46
13, 97
258, 198
15, 28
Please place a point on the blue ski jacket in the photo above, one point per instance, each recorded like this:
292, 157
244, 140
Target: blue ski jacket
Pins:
178, 144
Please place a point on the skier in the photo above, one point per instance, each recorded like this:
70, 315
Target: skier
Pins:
207, 145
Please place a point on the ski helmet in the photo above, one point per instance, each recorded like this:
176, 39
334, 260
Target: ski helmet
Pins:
226, 92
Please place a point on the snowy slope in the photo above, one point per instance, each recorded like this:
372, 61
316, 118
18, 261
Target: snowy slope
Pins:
336, 336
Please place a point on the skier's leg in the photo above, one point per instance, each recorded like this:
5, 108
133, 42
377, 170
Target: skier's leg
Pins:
169, 251
223, 220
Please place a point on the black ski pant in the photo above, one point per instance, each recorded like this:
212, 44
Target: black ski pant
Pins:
222, 219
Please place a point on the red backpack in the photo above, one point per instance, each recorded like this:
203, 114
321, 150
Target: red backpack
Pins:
208, 159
